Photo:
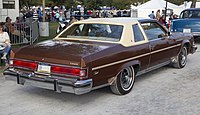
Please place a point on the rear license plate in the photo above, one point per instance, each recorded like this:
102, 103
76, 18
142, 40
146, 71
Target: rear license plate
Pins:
186, 30
44, 68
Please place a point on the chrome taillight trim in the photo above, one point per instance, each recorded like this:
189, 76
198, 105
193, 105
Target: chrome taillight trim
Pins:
24, 68
48, 63
52, 73
69, 75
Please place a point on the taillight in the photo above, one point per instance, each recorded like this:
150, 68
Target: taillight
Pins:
24, 64
69, 71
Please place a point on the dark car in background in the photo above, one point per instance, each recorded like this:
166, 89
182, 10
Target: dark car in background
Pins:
186, 26
188, 22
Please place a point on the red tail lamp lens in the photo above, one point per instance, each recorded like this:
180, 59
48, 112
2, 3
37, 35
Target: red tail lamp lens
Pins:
25, 64
65, 70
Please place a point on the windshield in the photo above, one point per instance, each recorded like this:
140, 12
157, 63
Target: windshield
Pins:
105, 32
190, 14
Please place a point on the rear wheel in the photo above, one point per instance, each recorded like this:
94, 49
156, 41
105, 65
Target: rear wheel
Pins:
182, 58
124, 81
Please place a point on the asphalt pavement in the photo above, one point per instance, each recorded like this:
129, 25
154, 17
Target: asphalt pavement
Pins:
165, 91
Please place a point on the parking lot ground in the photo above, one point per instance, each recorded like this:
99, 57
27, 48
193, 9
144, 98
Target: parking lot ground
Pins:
165, 91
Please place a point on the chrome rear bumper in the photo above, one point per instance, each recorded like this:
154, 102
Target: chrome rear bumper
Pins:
57, 84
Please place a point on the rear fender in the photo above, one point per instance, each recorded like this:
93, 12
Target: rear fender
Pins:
130, 63
135, 64
187, 43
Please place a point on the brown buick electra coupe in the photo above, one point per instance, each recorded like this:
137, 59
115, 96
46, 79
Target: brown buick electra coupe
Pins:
95, 53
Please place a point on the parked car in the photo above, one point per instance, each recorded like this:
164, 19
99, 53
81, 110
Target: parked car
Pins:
190, 13
186, 26
95, 53
189, 22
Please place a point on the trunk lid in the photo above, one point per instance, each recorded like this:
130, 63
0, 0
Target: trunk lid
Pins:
61, 52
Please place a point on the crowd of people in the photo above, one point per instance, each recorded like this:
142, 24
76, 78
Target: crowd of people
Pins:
60, 13
161, 18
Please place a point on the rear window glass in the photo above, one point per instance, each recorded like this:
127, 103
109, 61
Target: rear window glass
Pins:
190, 14
105, 32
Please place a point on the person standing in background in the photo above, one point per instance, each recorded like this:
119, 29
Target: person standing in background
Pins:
9, 26
162, 20
171, 17
152, 16
4, 43
53, 15
57, 15
35, 15
158, 15
17, 20
72, 13
39, 14
82, 10
68, 15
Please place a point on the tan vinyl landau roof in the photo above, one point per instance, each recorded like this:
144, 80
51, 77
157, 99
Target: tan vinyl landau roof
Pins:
119, 20
127, 38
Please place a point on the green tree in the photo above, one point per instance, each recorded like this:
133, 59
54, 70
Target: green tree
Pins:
177, 2
121, 4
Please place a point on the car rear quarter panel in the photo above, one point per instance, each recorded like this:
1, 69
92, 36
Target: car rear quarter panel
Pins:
185, 39
108, 63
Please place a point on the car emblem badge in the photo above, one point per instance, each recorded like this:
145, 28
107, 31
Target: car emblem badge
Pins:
71, 63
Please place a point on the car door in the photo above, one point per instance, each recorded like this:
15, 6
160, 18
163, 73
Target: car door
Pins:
160, 44
141, 46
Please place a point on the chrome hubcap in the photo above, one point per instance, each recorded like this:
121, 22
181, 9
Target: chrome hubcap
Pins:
183, 56
126, 78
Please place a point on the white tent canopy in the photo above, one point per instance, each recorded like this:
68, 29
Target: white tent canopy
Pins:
188, 4
153, 5
156, 4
